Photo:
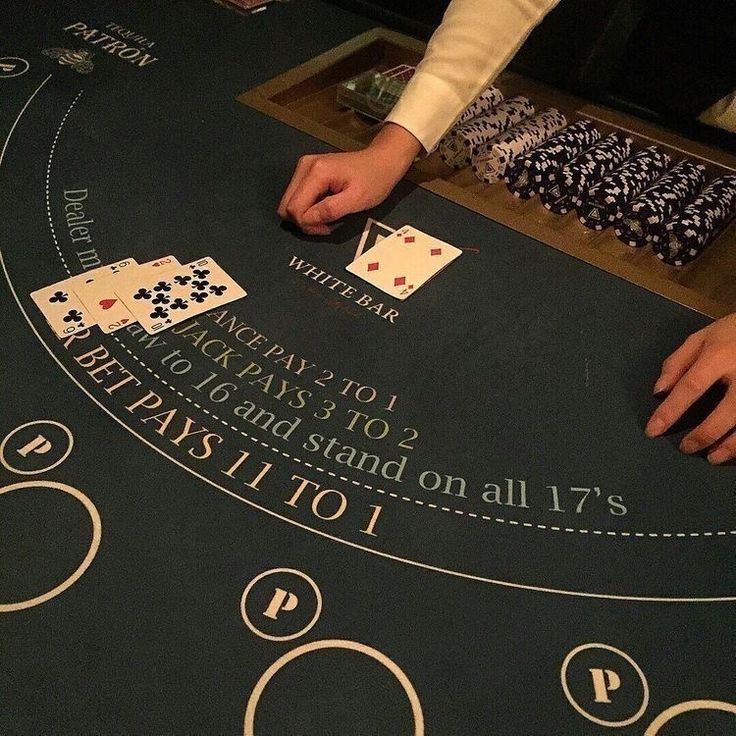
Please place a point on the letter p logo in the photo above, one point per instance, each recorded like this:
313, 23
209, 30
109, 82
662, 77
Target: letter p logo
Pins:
604, 682
40, 446
282, 600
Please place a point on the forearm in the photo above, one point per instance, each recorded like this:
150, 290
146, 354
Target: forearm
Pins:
473, 44
396, 146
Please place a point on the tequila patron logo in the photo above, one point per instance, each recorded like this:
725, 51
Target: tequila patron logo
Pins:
80, 61
112, 45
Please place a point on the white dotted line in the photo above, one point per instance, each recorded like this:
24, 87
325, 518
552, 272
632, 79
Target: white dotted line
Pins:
48, 178
418, 502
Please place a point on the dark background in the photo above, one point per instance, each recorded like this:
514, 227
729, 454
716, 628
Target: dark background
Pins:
663, 60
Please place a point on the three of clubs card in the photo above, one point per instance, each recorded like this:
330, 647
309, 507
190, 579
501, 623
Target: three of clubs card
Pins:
403, 261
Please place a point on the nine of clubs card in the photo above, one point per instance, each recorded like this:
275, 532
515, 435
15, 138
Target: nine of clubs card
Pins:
63, 309
161, 301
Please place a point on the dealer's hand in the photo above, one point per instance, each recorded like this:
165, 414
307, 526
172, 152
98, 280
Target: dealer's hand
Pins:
326, 187
705, 358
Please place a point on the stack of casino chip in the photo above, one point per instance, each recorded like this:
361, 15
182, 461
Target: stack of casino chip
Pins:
530, 174
460, 144
492, 159
688, 233
574, 179
603, 203
644, 218
485, 102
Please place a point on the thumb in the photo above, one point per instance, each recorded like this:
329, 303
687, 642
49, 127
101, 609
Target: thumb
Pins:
331, 208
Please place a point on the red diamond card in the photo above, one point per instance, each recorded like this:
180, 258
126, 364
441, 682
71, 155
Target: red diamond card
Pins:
403, 261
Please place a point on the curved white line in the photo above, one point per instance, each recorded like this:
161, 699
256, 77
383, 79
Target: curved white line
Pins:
20, 115
354, 545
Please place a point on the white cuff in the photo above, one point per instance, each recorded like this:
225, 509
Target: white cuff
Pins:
425, 107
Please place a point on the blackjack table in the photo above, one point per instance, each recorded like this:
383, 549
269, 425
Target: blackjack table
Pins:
319, 510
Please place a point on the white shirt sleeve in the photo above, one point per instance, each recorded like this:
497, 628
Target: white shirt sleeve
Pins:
473, 44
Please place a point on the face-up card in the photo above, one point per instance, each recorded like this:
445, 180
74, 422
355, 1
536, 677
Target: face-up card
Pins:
404, 261
105, 306
178, 294
373, 233
62, 308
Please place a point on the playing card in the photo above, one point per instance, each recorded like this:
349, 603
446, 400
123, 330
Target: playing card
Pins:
404, 261
373, 233
178, 294
63, 309
105, 306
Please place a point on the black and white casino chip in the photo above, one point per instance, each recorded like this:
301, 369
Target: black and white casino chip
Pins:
576, 177
459, 146
532, 172
603, 203
485, 102
644, 218
690, 231
493, 159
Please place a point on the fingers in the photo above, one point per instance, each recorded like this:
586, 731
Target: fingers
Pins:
302, 167
721, 421
705, 358
673, 369
314, 184
332, 208
324, 188
693, 384
724, 450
